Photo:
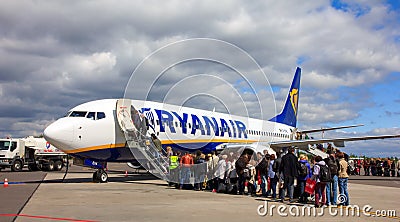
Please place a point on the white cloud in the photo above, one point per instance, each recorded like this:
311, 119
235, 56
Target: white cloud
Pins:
56, 55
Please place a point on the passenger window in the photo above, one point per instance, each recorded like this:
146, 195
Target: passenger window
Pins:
158, 123
78, 114
101, 115
91, 115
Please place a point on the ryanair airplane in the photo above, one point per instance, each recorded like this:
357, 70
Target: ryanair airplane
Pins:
100, 131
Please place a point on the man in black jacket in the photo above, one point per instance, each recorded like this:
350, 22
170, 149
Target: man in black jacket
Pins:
289, 167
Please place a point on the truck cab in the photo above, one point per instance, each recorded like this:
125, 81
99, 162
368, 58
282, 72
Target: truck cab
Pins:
12, 153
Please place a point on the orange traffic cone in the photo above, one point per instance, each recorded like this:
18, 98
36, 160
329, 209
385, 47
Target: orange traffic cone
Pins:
5, 182
126, 173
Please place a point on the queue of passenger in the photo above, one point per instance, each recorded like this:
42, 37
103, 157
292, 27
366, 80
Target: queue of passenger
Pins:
263, 175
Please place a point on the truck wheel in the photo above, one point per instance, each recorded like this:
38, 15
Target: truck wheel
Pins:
50, 167
58, 165
17, 166
33, 167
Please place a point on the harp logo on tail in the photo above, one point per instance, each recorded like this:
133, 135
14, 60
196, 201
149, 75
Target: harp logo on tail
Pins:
294, 95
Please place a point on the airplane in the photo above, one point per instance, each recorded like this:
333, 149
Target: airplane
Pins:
111, 130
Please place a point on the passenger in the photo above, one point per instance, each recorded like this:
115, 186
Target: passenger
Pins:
272, 176
393, 168
331, 187
135, 118
157, 144
262, 171
343, 178
144, 126
251, 182
398, 167
320, 187
210, 172
169, 151
233, 177
200, 171
276, 168
215, 160
366, 166
240, 165
289, 168
221, 174
304, 174
372, 164
186, 164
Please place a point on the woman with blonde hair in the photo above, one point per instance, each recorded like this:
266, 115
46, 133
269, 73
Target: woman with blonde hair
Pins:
304, 174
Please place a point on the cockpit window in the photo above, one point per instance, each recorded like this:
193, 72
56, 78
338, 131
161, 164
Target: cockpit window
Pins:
91, 115
68, 113
78, 114
101, 115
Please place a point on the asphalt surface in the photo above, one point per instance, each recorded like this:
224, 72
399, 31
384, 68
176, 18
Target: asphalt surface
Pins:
21, 187
139, 193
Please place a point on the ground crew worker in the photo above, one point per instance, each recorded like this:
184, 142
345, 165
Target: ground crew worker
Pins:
173, 169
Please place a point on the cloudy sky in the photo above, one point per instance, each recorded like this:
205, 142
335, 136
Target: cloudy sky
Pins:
58, 54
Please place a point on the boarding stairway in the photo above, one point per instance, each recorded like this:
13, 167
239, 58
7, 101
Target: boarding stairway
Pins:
140, 144
317, 152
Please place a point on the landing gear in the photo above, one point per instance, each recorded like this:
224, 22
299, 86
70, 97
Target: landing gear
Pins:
100, 176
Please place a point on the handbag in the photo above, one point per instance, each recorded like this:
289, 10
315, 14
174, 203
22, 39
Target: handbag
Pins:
310, 186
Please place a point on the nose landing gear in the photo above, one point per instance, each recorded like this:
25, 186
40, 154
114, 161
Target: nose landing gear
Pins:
100, 176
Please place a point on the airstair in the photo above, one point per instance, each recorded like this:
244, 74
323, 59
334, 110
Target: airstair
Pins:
139, 141
317, 152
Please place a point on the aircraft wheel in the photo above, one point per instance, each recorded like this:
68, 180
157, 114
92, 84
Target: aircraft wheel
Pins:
95, 177
103, 176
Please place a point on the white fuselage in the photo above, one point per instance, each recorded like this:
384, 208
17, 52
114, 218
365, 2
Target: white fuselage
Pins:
91, 130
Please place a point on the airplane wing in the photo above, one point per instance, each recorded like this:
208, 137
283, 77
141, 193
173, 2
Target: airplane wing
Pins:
338, 142
328, 129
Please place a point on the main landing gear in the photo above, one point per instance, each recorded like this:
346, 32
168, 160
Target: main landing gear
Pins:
100, 176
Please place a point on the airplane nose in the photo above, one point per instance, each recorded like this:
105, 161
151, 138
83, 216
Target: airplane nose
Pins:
60, 134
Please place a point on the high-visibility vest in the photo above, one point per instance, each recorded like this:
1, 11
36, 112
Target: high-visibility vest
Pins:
174, 162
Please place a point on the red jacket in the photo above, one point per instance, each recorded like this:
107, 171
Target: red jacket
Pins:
187, 161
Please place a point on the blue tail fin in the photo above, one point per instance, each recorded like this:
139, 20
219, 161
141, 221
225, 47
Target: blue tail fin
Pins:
288, 115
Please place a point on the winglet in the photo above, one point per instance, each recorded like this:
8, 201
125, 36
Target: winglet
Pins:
288, 115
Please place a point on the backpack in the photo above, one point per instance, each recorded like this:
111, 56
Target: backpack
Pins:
333, 167
324, 173
240, 164
246, 173
303, 170
275, 166
263, 166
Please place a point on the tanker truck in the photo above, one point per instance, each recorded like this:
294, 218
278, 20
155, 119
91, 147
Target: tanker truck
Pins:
32, 152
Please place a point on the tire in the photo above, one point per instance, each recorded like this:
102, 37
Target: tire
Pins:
103, 176
16, 166
95, 177
58, 165
50, 167
33, 167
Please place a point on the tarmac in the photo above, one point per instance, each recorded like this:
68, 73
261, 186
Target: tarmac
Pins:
141, 197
